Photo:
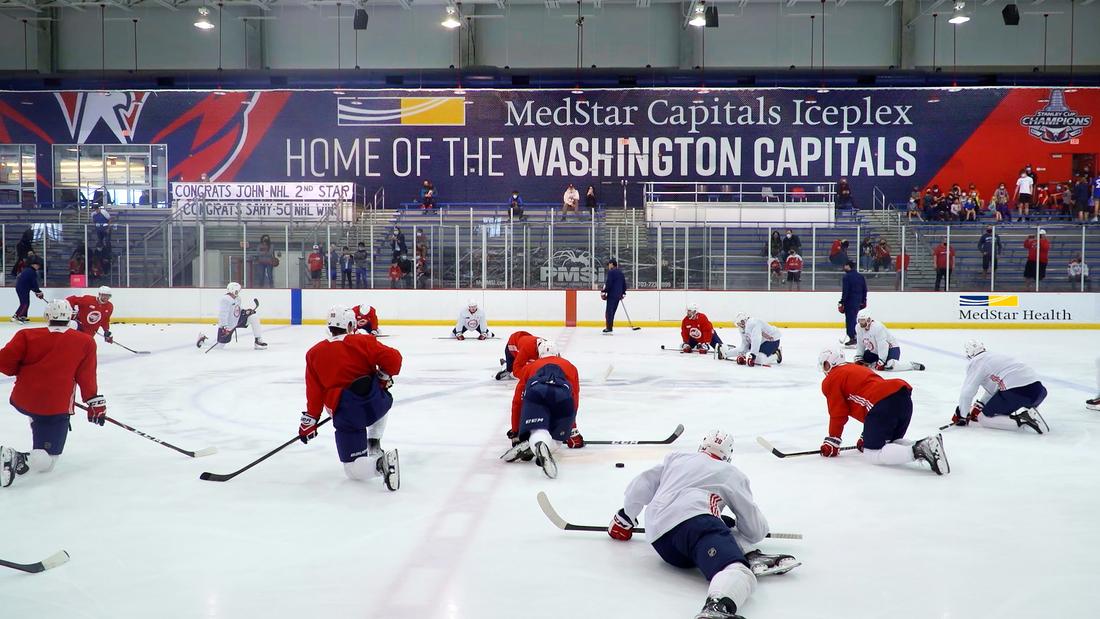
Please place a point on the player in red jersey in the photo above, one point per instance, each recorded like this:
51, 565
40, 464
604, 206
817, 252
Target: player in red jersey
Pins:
47, 363
521, 349
366, 320
349, 376
544, 410
698, 333
885, 407
93, 312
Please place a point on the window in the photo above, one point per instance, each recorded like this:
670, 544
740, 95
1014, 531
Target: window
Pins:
18, 186
119, 174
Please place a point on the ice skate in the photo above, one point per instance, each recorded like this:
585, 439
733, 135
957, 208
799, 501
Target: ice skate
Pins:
919, 367
545, 460
716, 608
930, 449
721, 352
767, 565
199, 342
778, 356
606, 331
847, 342
519, 451
1093, 404
390, 468
259, 345
12, 464
502, 374
1031, 418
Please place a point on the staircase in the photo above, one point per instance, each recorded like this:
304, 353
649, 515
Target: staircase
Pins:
887, 224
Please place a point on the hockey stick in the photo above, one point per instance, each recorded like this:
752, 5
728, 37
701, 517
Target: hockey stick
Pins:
59, 558
788, 454
226, 477
194, 454
564, 525
628, 320
672, 437
136, 352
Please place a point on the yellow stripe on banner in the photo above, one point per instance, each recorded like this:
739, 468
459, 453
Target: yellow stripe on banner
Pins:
449, 111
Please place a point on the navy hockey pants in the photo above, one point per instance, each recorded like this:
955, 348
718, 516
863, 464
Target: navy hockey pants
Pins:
871, 357
714, 340
888, 420
547, 406
609, 313
703, 541
361, 404
1011, 400
48, 432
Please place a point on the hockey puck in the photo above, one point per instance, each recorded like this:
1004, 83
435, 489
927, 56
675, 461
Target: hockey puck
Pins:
619, 465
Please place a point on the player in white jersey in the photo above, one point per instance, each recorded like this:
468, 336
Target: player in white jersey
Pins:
471, 318
872, 339
759, 342
683, 499
1094, 404
1012, 392
231, 317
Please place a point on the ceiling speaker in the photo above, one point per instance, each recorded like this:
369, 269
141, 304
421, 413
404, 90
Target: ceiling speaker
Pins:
710, 13
1011, 15
360, 21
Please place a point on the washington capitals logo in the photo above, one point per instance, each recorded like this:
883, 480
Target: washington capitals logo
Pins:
117, 111
1056, 123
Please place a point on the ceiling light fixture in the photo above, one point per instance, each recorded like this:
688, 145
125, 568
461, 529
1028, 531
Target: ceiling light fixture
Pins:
958, 17
699, 18
451, 20
203, 22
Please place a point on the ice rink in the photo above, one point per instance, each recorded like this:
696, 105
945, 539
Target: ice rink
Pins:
1011, 532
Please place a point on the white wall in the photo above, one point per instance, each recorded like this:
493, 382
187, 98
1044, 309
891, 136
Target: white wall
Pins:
11, 41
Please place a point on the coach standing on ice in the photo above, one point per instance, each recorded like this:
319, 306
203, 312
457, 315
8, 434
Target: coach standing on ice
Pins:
614, 289
853, 297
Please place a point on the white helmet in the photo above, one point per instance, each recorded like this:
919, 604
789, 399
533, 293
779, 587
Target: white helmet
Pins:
58, 310
740, 319
692, 309
104, 291
547, 348
973, 348
233, 288
864, 315
471, 304
341, 317
718, 444
832, 356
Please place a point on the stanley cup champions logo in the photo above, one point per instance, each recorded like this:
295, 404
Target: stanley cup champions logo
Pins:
1056, 123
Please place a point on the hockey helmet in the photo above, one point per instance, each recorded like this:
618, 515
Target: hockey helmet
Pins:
471, 304
740, 319
717, 444
832, 356
233, 288
340, 317
864, 318
692, 310
104, 293
973, 348
547, 348
58, 310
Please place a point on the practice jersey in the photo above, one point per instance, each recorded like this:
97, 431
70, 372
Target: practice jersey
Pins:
524, 348
365, 317
851, 390
530, 370
229, 312
993, 372
876, 338
1096, 187
686, 485
699, 329
47, 362
471, 321
91, 314
794, 263
335, 363
755, 333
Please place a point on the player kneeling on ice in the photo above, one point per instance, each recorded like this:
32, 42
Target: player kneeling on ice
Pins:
47, 363
544, 410
350, 376
94, 312
231, 317
759, 342
1012, 392
885, 407
366, 320
471, 318
872, 337
698, 333
683, 498
522, 348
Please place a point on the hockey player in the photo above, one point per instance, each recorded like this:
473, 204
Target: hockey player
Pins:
544, 410
885, 407
522, 348
759, 342
1012, 396
231, 317
471, 318
683, 498
872, 338
48, 363
94, 312
1094, 403
366, 320
349, 376
698, 333
25, 284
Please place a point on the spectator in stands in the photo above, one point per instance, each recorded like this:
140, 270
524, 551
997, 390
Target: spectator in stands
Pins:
395, 274
590, 201
1042, 197
1038, 254
406, 267
1000, 198
1062, 200
954, 209
867, 250
1025, 186
22, 249
838, 253
791, 242
423, 272
844, 195
427, 195
775, 269
347, 265
397, 244
775, 245
794, 270
76, 262
853, 297
881, 257
928, 204
515, 206
1079, 272
362, 261
102, 221
988, 244
901, 263
942, 261
1095, 198
266, 261
315, 262
1030, 171
914, 206
570, 201
1082, 198
971, 203
333, 265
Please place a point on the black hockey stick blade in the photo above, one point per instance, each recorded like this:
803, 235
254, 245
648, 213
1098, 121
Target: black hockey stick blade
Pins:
59, 558
563, 524
206, 476
790, 454
194, 454
672, 437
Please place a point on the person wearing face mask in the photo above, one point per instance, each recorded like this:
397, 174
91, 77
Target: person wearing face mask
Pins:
515, 205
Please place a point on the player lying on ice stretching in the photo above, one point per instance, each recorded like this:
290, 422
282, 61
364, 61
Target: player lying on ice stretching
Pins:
1012, 392
872, 338
683, 499
759, 342
522, 348
698, 334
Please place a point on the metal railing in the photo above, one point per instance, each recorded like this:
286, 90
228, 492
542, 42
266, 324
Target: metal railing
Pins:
739, 192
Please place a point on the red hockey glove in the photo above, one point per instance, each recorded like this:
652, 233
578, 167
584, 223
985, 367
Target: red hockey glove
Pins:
603, 296
40, 295
621, 527
97, 409
702, 349
750, 360
859, 444
880, 365
307, 429
575, 440
460, 336
830, 447
975, 410
685, 347
741, 360
107, 337
480, 336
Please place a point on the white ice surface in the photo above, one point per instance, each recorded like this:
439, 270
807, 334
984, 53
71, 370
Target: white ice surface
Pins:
1012, 532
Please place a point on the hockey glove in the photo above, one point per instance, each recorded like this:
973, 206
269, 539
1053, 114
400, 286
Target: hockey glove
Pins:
307, 429
107, 337
621, 527
575, 440
481, 336
685, 347
859, 444
459, 336
603, 296
513, 436
97, 409
976, 409
40, 295
741, 360
830, 447
702, 349
750, 360
880, 365
385, 381
840, 308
